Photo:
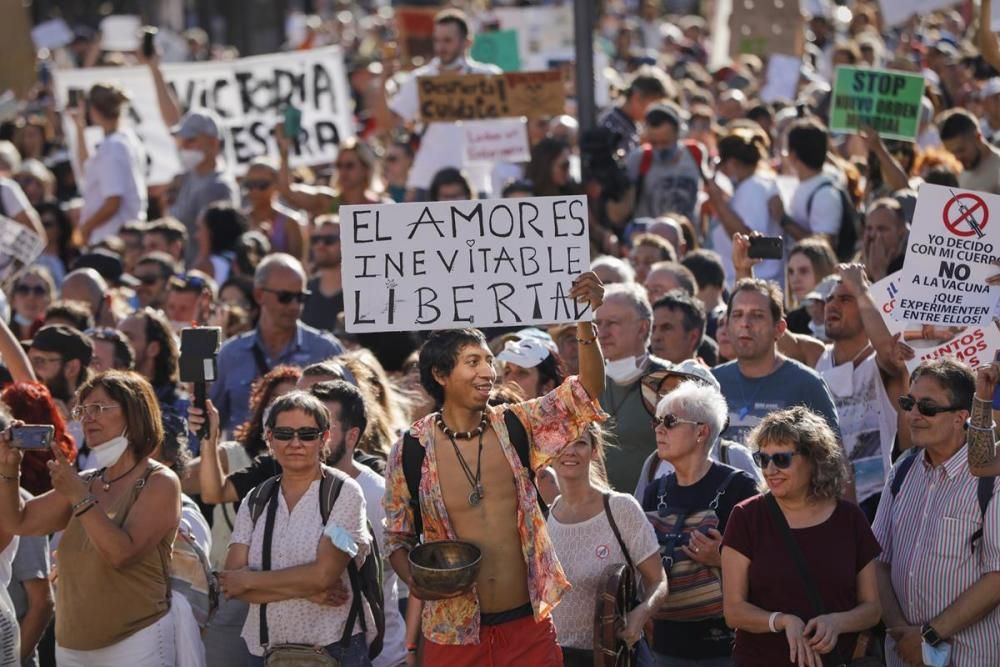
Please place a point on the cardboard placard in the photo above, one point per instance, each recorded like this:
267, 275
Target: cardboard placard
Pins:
249, 95
951, 249
540, 30
17, 66
451, 97
766, 27
497, 47
19, 248
483, 263
886, 100
501, 140
415, 27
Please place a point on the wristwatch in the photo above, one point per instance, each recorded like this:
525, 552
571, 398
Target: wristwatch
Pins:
930, 635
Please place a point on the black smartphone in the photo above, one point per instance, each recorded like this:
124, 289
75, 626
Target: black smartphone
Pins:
149, 41
766, 247
32, 436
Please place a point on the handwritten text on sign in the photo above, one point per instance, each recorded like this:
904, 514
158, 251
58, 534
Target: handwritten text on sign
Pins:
482, 263
451, 97
885, 100
501, 140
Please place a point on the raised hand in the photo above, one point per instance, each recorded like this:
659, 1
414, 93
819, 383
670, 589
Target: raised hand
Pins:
65, 479
588, 287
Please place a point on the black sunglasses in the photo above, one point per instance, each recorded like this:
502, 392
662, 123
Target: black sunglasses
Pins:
257, 185
924, 407
669, 420
148, 278
325, 239
305, 434
781, 460
284, 296
37, 290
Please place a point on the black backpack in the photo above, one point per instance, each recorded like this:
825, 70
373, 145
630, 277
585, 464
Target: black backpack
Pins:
984, 489
845, 244
366, 580
413, 463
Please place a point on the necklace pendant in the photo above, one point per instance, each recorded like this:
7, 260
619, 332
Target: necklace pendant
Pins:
107, 487
474, 497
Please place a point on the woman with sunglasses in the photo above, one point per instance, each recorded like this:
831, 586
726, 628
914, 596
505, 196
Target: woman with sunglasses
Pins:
113, 601
586, 541
689, 509
799, 519
32, 294
284, 227
307, 558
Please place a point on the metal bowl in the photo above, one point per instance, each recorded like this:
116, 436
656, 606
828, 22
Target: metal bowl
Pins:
446, 567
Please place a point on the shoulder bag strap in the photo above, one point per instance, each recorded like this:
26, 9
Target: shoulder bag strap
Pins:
522, 445
272, 511
614, 528
984, 493
413, 465
259, 359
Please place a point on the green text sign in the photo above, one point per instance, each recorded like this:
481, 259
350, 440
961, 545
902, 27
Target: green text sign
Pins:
886, 100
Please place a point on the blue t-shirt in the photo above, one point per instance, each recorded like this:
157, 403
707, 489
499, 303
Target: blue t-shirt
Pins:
751, 399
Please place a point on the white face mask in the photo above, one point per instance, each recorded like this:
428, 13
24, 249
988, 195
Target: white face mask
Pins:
107, 454
190, 158
624, 370
840, 379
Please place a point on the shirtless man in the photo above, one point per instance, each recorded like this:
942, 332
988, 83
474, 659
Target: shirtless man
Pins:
474, 488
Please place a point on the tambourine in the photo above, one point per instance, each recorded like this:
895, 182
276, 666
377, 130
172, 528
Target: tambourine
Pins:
616, 590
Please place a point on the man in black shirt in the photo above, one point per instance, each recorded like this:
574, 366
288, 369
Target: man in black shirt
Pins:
647, 87
326, 298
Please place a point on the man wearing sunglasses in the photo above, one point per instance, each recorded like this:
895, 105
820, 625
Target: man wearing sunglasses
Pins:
863, 368
279, 338
326, 297
939, 571
153, 271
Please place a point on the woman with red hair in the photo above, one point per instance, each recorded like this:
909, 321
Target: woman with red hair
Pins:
32, 403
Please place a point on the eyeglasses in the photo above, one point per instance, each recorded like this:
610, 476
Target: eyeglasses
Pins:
781, 460
325, 239
392, 158
668, 421
924, 407
304, 434
36, 290
148, 278
284, 296
38, 360
90, 410
257, 185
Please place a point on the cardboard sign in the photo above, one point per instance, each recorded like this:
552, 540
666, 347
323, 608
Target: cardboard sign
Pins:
974, 346
886, 100
415, 27
497, 47
952, 246
20, 248
541, 31
897, 12
502, 140
483, 263
766, 27
17, 66
249, 95
450, 97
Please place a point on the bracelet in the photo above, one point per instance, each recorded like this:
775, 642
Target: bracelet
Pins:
984, 429
586, 341
412, 648
770, 621
982, 400
85, 509
15, 478
84, 501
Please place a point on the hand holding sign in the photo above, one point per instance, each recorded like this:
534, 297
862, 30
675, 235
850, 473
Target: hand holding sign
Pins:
588, 287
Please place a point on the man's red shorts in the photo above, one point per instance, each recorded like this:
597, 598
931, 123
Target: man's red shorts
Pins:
520, 643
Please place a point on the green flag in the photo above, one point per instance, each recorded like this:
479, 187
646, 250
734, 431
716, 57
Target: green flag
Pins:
498, 47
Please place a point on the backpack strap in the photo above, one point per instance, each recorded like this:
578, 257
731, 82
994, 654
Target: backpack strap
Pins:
812, 195
721, 491
614, 528
522, 445
329, 490
645, 164
272, 511
723, 452
984, 493
260, 495
259, 360
905, 463
413, 465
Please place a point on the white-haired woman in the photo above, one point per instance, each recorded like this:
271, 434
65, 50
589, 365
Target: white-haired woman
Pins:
767, 598
592, 527
688, 510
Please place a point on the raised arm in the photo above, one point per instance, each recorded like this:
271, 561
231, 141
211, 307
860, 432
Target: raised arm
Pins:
13, 355
989, 46
731, 221
315, 200
42, 515
884, 343
588, 287
169, 108
981, 438
214, 487
892, 172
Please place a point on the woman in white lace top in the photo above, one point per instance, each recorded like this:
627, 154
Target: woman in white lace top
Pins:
586, 543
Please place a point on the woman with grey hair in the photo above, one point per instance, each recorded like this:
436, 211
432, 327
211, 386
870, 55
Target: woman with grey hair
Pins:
688, 509
798, 562
307, 557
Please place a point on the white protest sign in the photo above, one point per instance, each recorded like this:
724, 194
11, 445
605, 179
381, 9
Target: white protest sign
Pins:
782, 78
484, 263
974, 346
249, 95
120, 32
19, 247
540, 30
884, 294
896, 12
51, 34
951, 250
500, 140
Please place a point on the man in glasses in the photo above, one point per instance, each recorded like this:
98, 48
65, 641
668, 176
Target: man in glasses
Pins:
862, 368
326, 298
279, 338
61, 357
939, 571
153, 271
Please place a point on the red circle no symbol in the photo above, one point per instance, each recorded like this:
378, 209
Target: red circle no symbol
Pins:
966, 215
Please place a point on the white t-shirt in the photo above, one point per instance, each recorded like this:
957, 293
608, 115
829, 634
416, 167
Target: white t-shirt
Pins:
116, 169
867, 420
394, 642
750, 202
824, 216
13, 198
442, 144
585, 549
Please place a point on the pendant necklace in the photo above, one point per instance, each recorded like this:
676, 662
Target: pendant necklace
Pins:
108, 482
475, 481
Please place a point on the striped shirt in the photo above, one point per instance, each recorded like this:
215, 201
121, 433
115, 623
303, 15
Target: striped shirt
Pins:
925, 536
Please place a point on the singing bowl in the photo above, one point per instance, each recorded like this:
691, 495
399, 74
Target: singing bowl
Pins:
446, 567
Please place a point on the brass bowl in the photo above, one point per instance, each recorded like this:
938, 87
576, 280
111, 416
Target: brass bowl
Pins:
446, 567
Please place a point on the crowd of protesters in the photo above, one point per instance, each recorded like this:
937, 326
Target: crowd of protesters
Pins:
789, 487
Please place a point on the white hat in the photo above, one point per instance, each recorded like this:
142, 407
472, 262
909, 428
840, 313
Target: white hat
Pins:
990, 88
526, 352
697, 371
